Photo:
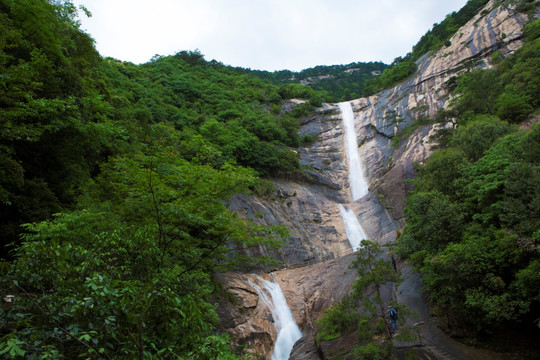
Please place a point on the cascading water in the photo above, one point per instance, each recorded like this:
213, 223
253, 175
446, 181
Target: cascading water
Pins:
359, 187
287, 330
355, 232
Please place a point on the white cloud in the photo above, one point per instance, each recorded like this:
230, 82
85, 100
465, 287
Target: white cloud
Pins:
264, 34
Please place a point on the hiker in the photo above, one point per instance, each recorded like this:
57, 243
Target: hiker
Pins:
392, 313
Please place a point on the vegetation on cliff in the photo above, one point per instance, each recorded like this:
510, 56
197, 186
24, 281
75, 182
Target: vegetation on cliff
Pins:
136, 163
473, 218
363, 312
403, 67
346, 82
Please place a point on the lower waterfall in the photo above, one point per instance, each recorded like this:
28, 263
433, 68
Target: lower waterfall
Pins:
355, 232
287, 330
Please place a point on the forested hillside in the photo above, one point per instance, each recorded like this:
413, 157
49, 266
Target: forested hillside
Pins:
115, 177
473, 220
129, 168
336, 82
65, 111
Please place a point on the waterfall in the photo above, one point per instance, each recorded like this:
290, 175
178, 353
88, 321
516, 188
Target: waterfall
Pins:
355, 232
287, 330
359, 187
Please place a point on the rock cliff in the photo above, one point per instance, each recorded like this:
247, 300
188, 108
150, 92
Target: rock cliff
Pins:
315, 260
384, 116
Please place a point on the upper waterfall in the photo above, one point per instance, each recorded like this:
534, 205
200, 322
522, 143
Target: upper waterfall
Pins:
358, 183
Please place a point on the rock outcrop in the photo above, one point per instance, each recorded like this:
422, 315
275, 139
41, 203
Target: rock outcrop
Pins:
308, 290
245, 317
384, 116
315, 260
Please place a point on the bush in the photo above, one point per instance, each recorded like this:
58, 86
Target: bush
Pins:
512, 107
338, 318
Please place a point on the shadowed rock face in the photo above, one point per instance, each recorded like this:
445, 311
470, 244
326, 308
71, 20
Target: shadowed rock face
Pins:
317, 253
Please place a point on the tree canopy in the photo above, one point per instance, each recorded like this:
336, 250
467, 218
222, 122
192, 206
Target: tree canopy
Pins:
336, 82
473, 217
114, 182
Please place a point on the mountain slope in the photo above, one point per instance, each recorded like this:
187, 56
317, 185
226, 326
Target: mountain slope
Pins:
337, 82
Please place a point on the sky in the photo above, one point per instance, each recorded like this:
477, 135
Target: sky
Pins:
263, 34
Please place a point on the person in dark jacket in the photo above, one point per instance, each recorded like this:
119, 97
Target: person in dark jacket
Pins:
392, 314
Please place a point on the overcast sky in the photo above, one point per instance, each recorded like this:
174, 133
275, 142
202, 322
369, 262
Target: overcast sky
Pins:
263, 34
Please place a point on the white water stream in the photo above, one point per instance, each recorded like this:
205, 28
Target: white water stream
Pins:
359, 186
358, 183
355, 232
287, 330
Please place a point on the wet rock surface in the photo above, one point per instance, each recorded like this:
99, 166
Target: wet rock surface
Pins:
305, 349
249, 321
382, 117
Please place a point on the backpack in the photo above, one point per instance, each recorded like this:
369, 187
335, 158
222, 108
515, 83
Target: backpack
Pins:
393, 314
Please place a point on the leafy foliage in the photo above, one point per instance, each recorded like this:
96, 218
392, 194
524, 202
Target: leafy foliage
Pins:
129, 273
122, 173
398, 71
47, 146
64, 111
509, 91
478, 229
339, 318
359, 311
473, 218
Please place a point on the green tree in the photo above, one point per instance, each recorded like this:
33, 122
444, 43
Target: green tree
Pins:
477, 249
512, 107
479, 134
52, 126
130, 273
433, 222
441, 171
482, 267
362, 310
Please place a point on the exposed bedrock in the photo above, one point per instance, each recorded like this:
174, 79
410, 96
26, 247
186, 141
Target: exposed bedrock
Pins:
308, 290
382, 117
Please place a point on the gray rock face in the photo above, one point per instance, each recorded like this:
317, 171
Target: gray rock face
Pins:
383, 116
315, 273
310, 217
